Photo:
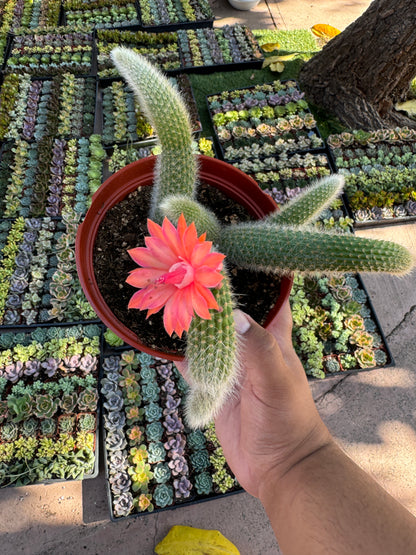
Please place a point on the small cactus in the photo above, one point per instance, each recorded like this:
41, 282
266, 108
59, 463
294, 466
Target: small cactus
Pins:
283, 239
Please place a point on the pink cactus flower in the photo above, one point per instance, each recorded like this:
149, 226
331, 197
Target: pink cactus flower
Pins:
177, 272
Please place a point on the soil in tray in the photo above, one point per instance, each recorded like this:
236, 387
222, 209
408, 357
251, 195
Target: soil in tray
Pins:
125, 227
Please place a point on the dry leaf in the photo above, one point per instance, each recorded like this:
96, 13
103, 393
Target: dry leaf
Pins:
274, 59
409, 106
277, 66
325, 31
270, 46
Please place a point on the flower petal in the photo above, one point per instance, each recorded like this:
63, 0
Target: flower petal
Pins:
206, 277
142, 277
143, 257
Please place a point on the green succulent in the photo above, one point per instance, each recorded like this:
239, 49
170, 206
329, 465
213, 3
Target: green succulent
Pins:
283, 242
68, 402
66, 423
29, 427
86, 422
45, 406
9, 431
20, 408
48, 426
87, 399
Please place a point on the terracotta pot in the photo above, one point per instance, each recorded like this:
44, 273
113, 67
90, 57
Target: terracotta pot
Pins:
228, 179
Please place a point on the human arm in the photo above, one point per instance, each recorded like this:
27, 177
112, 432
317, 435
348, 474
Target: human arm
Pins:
317, 499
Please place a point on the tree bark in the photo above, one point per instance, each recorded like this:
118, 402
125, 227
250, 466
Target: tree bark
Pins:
362, 73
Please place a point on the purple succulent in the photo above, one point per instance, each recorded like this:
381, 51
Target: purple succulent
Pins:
115, 441
13, 301
30, 236
176, 445
169, 387
120, 482
114, 401
178, 465
114, 420
18, 286
108, 386
13, 371
34, 224
165, 371
274, 100
123, 504
50, 366
88, 364
22, 260
118, 461
182, 487
32, 368
250, 102
173, 424
52, 211
171, 405
111, 364
11, 317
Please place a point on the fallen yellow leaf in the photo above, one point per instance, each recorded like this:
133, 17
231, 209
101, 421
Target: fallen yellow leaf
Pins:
270, 46
325, 31
409, 106
278, 67
273, 59
185, 540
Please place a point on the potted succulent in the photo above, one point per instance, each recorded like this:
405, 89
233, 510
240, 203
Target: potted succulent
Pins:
186, 274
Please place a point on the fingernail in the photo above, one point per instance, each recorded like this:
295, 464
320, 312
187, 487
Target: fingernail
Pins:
242, 324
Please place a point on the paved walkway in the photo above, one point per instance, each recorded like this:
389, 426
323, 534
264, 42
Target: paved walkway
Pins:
373, 414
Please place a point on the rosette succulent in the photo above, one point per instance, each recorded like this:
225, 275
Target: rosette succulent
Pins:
174, 279
45, 406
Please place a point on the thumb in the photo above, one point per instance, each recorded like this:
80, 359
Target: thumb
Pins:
267, 359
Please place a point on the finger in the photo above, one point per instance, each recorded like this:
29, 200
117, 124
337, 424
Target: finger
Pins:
182, 366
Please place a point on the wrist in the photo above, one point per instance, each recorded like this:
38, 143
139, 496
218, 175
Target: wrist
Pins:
276, 482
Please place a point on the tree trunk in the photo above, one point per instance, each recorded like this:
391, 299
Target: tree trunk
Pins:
362, 73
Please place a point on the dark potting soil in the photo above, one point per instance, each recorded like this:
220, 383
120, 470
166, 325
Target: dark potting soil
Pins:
124, 227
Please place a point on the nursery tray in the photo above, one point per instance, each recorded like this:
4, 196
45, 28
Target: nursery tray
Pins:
45, 379
390, 361
367, 224
167, 27
214, 68
151, 139
187, 503
193, 498
162, 28
376, 223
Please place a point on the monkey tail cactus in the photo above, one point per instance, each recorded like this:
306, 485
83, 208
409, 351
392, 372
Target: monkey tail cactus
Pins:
282, 242
176, 170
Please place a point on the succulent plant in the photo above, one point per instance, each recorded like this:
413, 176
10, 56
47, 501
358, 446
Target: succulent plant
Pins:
45, 406
203, 483
163, 495
20, 407
86, 422
68, 402
281, 243
9, 431
48, 426
29, 427
87, 399
66, 423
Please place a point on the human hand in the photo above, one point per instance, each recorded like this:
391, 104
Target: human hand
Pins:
271, 422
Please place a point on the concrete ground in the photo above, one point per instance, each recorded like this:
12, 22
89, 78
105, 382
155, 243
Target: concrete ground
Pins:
372, 414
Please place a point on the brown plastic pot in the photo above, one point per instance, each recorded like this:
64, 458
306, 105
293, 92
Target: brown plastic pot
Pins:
228, 179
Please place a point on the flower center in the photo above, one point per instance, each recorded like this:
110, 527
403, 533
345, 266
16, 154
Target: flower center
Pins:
180, 274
